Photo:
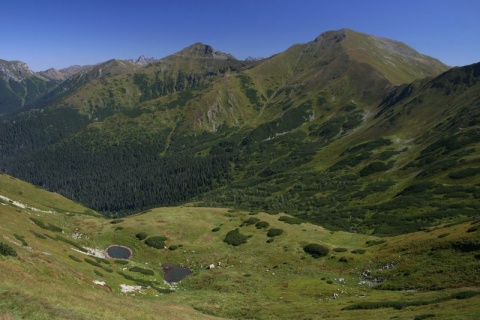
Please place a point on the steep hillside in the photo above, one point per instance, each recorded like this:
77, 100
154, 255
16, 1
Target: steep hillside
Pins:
277, 267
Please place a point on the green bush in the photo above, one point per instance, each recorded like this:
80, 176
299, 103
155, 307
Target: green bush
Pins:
290, 220
173, 247
116, 221
122, 262
270, 240
21, 239
92, 262
141, 236
74, 258
38, 235
375, 166
235, 238
274, 232
469, 172
250, 221
216, 229
472, 229
156, 242
340, 249
146, 272
49, 227
359, 251
98, 273
7, 250
424, 316
374, 242
443, 235
316, 250
262, 225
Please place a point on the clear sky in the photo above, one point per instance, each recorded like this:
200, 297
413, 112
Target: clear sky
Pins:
60, 33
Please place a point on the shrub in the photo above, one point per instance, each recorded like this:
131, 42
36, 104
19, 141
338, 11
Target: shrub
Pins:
290, 220
274, 232
146, 272
92, 262
374, 242
7, 250
42, 225
74, 258
123, 262
173, 247
116, 221
156, 242
262, 225
98, 273
235, 238
359, 251
424, 316
38, 235
443, 235
375, 166
343, 259
269, 240
316, 250
21, 239
472, 229
216, 229
340, 249
250, 221
141, 236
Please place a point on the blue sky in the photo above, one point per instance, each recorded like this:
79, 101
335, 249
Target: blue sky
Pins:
60, 33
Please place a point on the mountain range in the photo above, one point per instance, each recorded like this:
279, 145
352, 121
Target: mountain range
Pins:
333, 131
339, 178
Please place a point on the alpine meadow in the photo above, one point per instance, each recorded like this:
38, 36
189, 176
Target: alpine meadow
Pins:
339, 178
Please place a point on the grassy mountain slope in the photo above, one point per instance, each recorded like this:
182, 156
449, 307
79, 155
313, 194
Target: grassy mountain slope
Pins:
258, 279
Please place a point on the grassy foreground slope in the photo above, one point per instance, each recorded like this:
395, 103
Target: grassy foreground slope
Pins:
424, 274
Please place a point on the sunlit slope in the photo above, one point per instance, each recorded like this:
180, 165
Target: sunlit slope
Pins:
266, 277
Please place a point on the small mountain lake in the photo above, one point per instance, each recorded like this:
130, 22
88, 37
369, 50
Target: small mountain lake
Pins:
174, 273
119, 252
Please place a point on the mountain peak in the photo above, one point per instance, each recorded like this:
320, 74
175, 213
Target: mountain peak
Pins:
201, 50
16, 70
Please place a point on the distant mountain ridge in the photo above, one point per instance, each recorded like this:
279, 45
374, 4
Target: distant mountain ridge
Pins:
333, 130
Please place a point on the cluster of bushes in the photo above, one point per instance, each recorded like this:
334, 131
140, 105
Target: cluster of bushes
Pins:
262, 225
157, 242
316, 250
290, 220
7, 250
465, 173
141, 236
235, 238
38, 235
274, 232
42, 225
21, 239
74, 258
146, 272
374, 167
250, 221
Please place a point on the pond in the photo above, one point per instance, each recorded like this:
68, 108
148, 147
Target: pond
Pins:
119, 252
174, 273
